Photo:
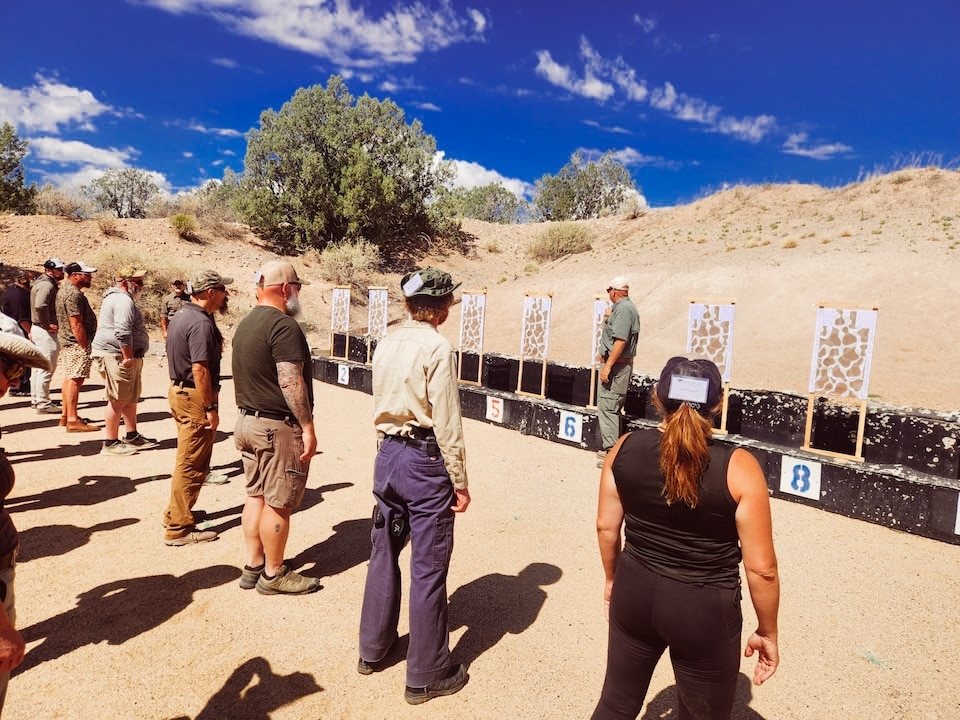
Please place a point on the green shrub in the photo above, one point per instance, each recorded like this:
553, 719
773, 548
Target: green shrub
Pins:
57, 201
184, 225
559, 240
348, 263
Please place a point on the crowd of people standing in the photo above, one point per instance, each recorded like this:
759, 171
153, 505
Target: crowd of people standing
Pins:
677, 513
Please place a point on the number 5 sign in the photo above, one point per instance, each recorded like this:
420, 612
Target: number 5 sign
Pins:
571, 426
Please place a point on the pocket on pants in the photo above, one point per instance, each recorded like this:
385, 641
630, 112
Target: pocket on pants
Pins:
443, 542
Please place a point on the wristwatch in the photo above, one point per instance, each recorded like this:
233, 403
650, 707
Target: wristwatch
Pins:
210, 408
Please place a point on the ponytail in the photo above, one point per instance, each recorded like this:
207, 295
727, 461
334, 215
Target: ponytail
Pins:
684, 453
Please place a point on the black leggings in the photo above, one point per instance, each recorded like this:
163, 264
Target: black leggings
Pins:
699, 623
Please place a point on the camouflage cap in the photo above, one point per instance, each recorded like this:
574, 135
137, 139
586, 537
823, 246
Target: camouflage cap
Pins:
429, 281
207, 279
127, 272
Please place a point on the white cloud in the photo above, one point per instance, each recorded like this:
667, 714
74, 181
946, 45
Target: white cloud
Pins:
48, 105
479, 20
470, 175
825, 151
561, 76
226, 63
427, 106
340, 31
222, 132
648, 24
594, 85
630, 157
751, 129
611, 129
71, 152
691, 109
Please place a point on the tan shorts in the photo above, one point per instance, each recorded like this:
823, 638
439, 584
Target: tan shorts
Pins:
122, 384
270, 450
75, 362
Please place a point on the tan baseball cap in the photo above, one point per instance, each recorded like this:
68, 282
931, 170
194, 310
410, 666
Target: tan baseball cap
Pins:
277, 272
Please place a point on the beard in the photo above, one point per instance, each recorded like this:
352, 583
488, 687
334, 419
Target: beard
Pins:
223, 307
292, 307
135, 293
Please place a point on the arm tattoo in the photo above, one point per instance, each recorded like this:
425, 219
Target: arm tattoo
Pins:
294, 389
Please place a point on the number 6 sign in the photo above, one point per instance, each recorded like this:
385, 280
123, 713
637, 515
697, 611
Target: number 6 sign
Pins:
571, 426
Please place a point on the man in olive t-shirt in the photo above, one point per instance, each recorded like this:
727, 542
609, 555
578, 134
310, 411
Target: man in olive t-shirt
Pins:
273, 382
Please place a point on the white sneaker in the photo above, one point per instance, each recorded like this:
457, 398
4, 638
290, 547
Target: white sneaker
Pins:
117, 448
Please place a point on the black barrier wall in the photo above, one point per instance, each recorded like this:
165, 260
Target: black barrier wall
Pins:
909, 480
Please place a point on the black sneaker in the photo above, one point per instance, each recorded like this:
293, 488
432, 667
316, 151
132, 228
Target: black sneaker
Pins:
454, 682
369, 668
139, 441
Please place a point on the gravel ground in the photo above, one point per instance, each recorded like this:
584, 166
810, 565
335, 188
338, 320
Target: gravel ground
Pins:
120, 626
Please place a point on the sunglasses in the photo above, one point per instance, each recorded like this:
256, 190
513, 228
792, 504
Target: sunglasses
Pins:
13, 370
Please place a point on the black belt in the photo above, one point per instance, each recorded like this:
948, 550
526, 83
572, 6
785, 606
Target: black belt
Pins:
268, 415
413, 442
184, 383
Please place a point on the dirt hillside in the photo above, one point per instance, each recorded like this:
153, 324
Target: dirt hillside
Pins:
777, 251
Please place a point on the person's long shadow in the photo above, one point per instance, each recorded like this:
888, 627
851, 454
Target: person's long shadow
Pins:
494, 605
238, 698
88, 490
228, 518
347, 547
666, 705
119, 611
52, 540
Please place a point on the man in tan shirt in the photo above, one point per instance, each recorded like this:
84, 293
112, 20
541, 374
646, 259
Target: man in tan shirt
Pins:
419, 482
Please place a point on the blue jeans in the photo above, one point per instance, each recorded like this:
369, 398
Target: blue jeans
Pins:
414, 496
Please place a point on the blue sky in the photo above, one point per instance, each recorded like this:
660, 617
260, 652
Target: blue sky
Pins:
690, 95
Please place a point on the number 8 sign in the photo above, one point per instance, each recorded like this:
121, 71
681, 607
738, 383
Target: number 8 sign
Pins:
800, 477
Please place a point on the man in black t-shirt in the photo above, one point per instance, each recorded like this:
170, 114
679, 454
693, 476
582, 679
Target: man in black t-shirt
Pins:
272, 376
194, 349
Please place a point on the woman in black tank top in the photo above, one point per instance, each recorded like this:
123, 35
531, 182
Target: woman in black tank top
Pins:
690, 510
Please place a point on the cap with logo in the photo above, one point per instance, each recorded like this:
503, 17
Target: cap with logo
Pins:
79, 267
696, 382
207, 279
429, 281
53, 264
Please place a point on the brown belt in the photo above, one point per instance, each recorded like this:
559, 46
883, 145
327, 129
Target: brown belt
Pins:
620, 361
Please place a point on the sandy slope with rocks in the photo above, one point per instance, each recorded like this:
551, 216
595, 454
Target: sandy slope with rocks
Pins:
120, 626
778, 251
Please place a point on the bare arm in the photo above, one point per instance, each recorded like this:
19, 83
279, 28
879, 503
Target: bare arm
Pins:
754, 526
609, 522
204, 384
79, 332
294, 389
